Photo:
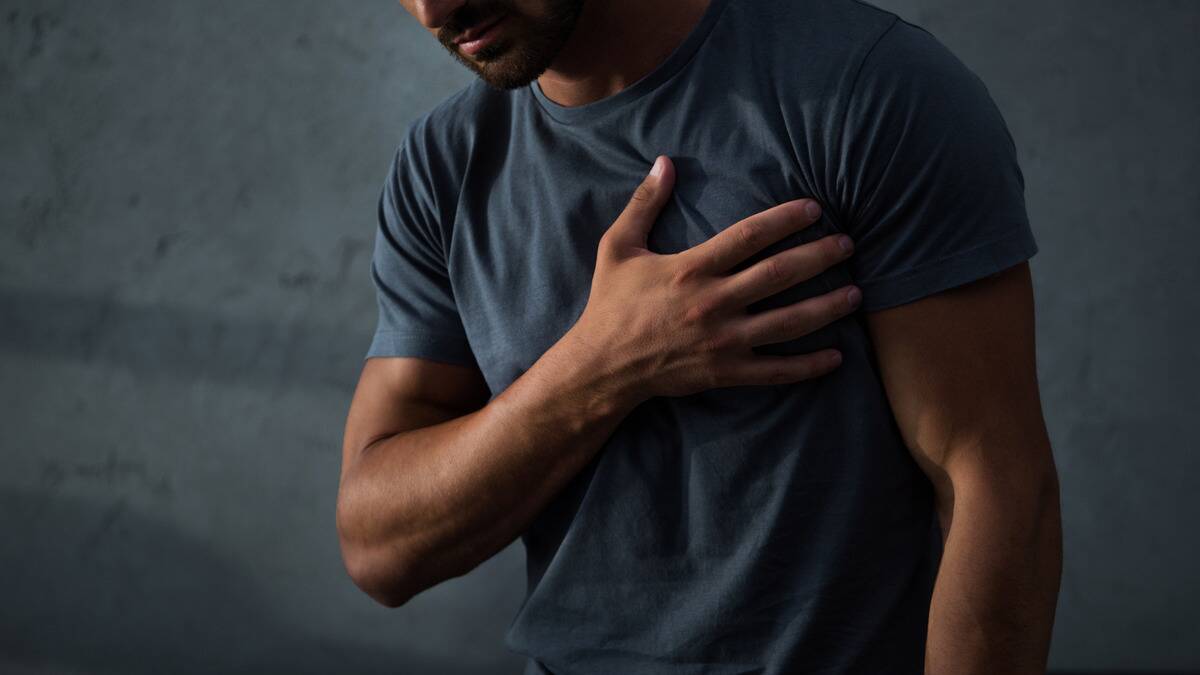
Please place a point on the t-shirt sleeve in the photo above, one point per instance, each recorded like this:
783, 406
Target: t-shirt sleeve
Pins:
418, 315
929, 184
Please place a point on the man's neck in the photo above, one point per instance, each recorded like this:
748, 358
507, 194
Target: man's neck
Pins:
615, 43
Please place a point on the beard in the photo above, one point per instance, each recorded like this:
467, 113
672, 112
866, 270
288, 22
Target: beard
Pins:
526, 47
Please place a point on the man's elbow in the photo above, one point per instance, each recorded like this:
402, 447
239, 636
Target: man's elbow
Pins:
390, 595
1018, 489
386, 582
377, 569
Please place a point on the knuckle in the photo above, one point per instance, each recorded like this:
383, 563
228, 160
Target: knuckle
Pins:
702, 258
713, 377
774, 271
700, 313
789, 324
832, 304
643, 194
722, 340
750, 235
684, 274
798, 328
605, 245
779, 375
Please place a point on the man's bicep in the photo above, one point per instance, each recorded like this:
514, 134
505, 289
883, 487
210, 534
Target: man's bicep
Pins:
959, 369
398, 394
928, 184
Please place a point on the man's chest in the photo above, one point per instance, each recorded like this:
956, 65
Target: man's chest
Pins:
528, 225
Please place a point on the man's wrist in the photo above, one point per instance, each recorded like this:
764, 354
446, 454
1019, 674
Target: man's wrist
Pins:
587, 371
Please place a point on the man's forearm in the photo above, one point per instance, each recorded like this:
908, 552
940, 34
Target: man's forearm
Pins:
997, 586
432, 503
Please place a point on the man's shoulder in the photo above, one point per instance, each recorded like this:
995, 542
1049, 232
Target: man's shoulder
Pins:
807, 53
826, 40
836, 51
453, 123
438, 144
847, 17
813, 33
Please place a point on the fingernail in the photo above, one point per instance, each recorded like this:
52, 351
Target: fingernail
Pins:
814, 210
846, 243
657, 169
853, 297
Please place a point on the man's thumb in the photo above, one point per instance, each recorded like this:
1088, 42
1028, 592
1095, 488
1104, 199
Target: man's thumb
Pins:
633, 226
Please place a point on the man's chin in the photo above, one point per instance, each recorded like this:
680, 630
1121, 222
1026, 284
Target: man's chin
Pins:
506, 79
505, 70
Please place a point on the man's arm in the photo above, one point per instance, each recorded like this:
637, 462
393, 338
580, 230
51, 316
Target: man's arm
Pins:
959, 368
448, 490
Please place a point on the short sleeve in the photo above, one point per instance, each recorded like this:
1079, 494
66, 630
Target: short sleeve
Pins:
417, 312
929, 184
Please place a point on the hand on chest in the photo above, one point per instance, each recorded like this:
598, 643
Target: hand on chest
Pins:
523, 256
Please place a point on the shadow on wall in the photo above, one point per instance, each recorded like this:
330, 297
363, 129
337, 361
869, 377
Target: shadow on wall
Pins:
81, 595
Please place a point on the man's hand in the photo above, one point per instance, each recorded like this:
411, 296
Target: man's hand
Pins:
960, 372
677, 324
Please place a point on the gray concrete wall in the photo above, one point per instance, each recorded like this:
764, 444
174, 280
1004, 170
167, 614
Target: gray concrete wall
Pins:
187, 194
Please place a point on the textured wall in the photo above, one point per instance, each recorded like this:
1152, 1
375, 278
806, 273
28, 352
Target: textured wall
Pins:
187, 194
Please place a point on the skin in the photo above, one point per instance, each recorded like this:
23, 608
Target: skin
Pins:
959, 368
434, 481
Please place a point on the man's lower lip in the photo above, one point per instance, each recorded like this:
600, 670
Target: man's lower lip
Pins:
482, 41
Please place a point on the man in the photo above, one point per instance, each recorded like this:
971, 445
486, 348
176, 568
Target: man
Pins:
641, 388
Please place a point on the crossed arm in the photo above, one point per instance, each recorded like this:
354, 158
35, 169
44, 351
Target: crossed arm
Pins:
959, 368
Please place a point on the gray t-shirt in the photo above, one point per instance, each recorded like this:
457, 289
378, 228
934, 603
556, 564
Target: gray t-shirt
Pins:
752, 529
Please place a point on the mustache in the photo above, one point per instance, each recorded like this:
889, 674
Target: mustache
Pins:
469, 16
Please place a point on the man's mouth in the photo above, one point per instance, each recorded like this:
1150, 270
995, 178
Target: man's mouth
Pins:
475, 31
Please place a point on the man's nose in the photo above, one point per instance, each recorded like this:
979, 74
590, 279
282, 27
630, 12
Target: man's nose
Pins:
433, 13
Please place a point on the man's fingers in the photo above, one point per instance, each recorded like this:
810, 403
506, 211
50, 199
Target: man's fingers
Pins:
750, 235
763, 369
